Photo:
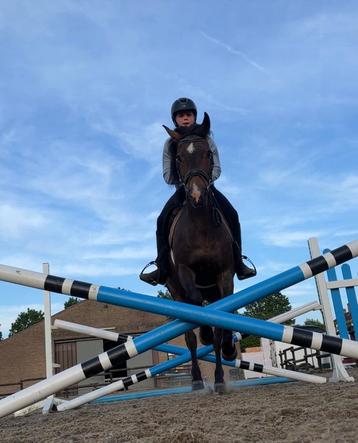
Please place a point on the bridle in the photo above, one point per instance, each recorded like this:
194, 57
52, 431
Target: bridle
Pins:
197, 172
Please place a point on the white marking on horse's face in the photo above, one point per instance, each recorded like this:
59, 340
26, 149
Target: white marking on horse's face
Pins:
195, 193
191, 148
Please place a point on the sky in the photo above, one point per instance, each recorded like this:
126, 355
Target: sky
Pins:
85, 87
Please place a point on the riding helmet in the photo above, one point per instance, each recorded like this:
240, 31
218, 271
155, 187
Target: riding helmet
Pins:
183, 104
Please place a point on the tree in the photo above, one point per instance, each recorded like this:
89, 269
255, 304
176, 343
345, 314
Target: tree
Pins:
264, 309
314, 322
25, 319
71, 301
0, 335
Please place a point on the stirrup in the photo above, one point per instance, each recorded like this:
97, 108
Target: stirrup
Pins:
245, 257
252, 272
144, 277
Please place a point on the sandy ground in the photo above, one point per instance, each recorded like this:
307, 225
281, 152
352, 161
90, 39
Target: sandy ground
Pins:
293, 412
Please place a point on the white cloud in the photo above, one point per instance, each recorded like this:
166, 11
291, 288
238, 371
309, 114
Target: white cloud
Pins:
234, 51
93, 271
289, 239
145, 142
16, 221
127, 253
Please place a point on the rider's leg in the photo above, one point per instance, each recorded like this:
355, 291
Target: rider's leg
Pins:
232, 218
162, 234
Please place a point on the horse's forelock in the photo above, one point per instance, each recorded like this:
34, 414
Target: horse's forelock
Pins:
191, 139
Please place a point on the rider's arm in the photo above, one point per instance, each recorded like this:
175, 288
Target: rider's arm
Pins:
217, 167
168, 178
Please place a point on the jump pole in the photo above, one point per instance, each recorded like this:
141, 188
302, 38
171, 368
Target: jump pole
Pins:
209, 315
203, 354
184, 356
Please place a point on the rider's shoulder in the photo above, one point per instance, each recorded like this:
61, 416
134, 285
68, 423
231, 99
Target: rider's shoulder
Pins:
211, 141
167, 143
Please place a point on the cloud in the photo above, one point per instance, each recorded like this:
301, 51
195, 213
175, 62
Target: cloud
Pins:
127, 253
234, 51
101, 269
289, 239
17, 221
145, 142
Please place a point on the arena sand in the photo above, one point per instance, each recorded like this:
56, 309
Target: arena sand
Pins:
292, 412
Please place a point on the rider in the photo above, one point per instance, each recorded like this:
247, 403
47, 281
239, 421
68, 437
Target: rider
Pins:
184, 113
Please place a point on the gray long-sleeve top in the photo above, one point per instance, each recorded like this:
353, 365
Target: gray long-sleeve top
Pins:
167, 175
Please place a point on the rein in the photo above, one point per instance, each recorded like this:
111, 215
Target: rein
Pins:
196, 173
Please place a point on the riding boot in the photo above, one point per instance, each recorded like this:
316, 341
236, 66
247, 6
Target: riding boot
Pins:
242, 271
162, 262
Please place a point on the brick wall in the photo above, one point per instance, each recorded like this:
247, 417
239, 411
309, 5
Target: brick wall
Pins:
23, 355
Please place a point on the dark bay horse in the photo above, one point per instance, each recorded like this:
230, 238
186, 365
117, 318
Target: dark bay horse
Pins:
201, 246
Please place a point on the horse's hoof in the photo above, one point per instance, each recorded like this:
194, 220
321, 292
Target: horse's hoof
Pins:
206, 335
220, 388
197, 385
229, 355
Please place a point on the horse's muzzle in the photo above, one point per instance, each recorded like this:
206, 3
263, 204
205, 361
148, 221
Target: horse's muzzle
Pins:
197, 196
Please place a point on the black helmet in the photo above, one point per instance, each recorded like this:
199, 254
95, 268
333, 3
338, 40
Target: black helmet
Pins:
183, 104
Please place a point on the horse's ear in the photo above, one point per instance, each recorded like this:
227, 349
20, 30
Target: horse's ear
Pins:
204, 128
172, 133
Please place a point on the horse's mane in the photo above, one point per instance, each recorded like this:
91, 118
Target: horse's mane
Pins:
173, 147
193, 130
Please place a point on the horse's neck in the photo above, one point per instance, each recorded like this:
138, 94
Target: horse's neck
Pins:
201, 216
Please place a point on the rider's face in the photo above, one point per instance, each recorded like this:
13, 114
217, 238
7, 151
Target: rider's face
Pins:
185, 118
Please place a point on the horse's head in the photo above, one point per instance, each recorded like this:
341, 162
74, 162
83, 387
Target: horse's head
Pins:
194, 160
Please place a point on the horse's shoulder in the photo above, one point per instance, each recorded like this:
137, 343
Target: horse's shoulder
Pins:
173, 222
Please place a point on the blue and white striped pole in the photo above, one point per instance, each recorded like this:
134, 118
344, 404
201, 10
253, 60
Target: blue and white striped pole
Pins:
210, 315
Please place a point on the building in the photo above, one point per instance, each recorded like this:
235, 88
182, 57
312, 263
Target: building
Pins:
23, 362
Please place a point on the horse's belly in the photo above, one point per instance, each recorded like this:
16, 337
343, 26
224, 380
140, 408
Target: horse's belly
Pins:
213, 258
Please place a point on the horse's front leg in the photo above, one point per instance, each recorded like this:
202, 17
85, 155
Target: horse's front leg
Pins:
223, 338
219, 385
191, 342
193, 296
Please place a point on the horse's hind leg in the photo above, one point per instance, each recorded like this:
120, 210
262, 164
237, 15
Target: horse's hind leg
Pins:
229, 351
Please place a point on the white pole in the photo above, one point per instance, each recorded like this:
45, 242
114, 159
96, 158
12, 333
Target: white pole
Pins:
312, 306
339, 371
47, 323
279, 372
268, 346
86, 330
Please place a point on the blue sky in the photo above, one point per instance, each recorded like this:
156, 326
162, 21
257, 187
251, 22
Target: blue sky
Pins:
85, 87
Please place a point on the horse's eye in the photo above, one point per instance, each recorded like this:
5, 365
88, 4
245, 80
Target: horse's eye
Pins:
210, 154
178, 158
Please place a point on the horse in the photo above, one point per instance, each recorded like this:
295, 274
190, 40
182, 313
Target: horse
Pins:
201, 246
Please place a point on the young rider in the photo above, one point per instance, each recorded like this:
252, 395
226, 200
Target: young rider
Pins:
184, 113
